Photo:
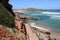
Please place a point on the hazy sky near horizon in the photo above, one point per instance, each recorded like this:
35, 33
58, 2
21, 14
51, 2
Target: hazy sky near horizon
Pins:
43, 4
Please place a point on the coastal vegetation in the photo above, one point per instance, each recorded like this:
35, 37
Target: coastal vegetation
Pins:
6, 18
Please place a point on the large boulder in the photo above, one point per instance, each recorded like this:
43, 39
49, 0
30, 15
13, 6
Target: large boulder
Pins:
8, 6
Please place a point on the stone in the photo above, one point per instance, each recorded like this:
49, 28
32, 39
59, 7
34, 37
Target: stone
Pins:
7, 35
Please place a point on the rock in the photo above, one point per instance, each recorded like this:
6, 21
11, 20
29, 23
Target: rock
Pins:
7, 35
44, 35
28, 18
7, 6
31, 18
48, 33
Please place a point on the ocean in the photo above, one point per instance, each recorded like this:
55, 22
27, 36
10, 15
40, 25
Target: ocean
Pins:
49, 20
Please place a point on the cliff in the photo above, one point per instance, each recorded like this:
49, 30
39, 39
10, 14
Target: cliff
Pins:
8, 30
8, 6
6, 18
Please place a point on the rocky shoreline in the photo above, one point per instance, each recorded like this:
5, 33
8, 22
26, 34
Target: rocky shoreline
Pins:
41, 34
21, 30
20, 34
45, 35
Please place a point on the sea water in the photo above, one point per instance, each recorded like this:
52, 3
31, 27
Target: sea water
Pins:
48, 20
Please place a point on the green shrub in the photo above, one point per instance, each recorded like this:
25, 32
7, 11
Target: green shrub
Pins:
6, 17
1, 39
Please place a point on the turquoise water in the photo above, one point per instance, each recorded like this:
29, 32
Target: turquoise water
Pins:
50, 20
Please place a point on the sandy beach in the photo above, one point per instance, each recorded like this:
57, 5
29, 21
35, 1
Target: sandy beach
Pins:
42, 31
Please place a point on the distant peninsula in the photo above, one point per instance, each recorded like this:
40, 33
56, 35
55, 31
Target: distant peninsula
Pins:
34, 9
28, 10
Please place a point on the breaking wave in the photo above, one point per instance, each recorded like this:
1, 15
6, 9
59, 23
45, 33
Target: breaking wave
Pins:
36, 26
53, 15
50, 13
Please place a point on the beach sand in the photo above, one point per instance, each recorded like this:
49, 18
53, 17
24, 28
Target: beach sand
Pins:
43, 32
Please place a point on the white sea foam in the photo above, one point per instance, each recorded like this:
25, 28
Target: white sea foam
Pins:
50, 13
36, 26
53, 15
36, 14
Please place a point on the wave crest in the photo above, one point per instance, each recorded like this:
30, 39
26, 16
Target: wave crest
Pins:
36, 26
50, 13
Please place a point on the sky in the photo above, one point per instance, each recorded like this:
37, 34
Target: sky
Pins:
40, 4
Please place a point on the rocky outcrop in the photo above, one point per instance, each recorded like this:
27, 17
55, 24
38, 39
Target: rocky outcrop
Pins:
32, 18
44, 35
7, 5
28, 17
10, 34
7, 33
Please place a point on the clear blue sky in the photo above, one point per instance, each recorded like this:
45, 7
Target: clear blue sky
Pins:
43, 4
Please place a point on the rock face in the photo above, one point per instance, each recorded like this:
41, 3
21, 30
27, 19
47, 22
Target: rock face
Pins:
6, 18
44, 35
7, 5
7, 34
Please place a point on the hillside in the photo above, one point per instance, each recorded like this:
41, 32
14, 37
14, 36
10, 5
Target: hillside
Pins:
6, 17
8, 30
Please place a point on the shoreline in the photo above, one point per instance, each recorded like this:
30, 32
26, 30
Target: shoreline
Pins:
44, 31
42, 27
39, 27
53, 34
